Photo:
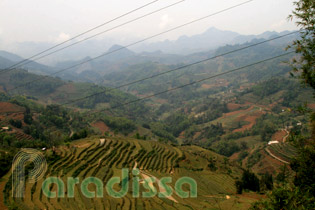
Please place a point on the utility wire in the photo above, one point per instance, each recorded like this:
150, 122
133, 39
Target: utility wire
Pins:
188, 84
100, 33
76, 36
179, 68
191, 83
156, 35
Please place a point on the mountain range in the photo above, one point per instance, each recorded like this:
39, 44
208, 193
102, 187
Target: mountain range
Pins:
184, 45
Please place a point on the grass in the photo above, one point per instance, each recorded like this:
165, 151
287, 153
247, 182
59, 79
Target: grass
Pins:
283, 150
160, 160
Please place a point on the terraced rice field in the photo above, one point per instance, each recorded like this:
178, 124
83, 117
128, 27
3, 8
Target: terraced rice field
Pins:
284, 151
91, 158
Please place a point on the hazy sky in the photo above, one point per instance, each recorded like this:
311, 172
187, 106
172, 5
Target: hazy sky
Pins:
57, 20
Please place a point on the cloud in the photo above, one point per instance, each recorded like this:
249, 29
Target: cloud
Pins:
63, 37
165, 20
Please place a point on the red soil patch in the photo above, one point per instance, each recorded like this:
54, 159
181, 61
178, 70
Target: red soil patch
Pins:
197, 134
15, 116
253, 196
182, 135
101, 126
278, 136
311, 106
235, 156
233, 107
6, 107
267, 164
161, 101
237, 112
207, 86
2, 206
218, 83
251, 119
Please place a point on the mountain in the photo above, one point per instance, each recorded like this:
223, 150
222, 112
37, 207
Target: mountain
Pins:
4, 63
209, 40
266, 35
116, 59
8, 59
11, 56
119, 59
122, 53
184, 45
76, 52
212, 132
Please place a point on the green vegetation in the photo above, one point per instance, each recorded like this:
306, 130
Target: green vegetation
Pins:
209, 131
5, 162
249, 181
227, 148
300, 194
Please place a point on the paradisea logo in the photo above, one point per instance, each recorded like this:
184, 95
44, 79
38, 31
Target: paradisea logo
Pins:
40, 167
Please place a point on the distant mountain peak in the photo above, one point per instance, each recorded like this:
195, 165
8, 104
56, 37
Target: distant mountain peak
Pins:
11, 56
120, 48
117, 52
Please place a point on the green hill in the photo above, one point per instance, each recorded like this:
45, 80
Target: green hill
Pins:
88, 157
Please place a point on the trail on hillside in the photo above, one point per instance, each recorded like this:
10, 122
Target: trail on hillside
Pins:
285, 137
272, 155
146, 175
2, 205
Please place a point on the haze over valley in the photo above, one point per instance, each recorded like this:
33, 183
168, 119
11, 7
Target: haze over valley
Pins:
165, 105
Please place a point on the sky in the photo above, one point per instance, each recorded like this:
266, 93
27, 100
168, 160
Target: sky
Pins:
57, 20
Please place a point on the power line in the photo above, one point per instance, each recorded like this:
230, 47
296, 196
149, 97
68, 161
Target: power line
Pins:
95, 35
179, 68
124, 47
77, 36
188, 84
191, 83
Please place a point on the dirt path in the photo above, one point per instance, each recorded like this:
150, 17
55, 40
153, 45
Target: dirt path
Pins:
272, 155
2, 206
213, 196
285, 137
102, 141
162, 189
82, 146
146, 175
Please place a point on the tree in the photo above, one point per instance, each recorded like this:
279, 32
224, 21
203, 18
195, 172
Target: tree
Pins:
266, 181
239, 187
249, 181
300, 194
283, 174
305, 46
16, 123
304, 165
28, 118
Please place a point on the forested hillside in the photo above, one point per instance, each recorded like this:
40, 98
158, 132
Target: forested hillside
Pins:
226, 114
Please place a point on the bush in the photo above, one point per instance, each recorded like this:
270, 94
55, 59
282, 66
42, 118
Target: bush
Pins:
266, 182
212, 165
249, 181
16, 123
227, 148
242, 155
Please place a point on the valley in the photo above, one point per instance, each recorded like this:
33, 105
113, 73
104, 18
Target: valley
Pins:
215, 121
